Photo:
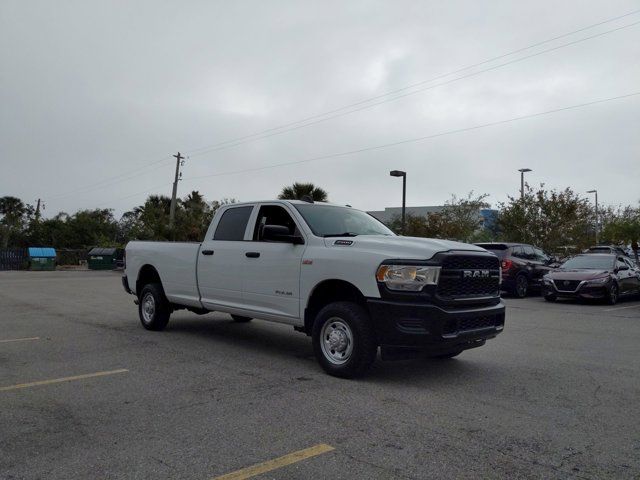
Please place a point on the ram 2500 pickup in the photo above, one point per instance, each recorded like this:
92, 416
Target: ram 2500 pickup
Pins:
332, 272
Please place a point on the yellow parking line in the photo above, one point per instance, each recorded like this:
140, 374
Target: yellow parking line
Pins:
276, 463
19, 339
64, 379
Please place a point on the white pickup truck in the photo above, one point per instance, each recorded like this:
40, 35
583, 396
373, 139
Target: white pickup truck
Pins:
332, 272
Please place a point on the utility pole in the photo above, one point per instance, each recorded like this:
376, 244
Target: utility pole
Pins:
522, 172
400, 173
172, 212
38, 210
597, 220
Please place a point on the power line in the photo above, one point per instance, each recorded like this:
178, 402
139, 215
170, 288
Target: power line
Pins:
417, 139
339, 112
107, 182
362, 105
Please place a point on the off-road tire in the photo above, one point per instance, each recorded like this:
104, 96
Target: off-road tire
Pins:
364, 346
153, 307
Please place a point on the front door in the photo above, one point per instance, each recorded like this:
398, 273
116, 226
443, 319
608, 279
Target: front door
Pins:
272, 269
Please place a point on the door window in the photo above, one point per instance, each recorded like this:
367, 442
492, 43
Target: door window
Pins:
517, 252
541, 256
273, 215
528, 252
233, 224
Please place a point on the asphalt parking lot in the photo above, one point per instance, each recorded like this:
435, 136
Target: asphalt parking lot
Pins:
85, 392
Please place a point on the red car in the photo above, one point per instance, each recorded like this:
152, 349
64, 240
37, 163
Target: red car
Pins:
593, 276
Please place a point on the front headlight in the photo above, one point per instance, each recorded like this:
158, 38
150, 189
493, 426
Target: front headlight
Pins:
408, 277
547, 281
598, 281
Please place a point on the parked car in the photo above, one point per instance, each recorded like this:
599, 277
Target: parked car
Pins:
593, 276
523, 266
607, 249
332, 272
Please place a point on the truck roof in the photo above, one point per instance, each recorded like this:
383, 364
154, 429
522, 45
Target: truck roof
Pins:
278, 200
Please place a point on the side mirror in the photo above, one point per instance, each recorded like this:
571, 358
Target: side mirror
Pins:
280, 233
622, 267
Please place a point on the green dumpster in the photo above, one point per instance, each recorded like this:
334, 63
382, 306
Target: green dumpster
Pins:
42, 258
103, 258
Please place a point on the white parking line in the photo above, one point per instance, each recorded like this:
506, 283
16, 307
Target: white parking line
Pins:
621, 308
19, 339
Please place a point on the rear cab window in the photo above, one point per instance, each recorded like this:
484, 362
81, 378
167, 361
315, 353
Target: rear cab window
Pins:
233, 224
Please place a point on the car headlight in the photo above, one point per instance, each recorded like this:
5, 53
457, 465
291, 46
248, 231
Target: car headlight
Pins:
547, 281
408, 277
599, 281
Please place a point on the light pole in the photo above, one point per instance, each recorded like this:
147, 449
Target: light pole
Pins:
597, 222
522, 172
400, 173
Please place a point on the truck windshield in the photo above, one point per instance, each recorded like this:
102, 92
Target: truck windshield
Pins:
334, 221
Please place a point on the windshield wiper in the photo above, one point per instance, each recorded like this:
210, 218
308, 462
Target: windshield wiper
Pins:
345, 234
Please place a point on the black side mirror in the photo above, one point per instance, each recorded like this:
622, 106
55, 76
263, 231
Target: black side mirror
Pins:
622, 267
280, 233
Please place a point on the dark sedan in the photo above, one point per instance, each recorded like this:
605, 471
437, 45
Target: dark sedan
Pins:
593, 276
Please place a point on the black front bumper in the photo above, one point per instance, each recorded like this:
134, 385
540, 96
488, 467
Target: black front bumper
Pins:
434, 328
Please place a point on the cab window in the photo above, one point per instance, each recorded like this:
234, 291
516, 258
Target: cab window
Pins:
273, 215
233, 224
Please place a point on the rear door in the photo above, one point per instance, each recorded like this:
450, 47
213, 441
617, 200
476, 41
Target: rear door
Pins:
221, 259
272, 269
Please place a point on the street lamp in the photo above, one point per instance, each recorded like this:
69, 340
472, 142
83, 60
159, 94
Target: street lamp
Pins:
400, 173
597, 223
522, 172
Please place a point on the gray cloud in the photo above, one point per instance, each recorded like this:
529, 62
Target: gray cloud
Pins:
92, 90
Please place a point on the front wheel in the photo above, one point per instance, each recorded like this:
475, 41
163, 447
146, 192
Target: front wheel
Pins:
612, 295
344, 342
153, 307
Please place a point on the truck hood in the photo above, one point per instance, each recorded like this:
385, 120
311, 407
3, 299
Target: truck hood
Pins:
392, 247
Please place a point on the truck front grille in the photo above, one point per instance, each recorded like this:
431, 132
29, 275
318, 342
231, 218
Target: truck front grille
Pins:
469, 276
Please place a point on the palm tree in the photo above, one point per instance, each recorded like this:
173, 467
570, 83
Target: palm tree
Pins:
298, 190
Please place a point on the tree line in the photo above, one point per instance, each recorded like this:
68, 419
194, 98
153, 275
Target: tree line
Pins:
551, 219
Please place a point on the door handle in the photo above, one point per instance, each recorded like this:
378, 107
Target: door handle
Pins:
207, 252
252, 254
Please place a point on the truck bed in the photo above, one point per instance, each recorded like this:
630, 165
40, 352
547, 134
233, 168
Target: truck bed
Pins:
175, 263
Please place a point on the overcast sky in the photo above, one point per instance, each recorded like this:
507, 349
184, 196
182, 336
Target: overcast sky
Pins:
95, 91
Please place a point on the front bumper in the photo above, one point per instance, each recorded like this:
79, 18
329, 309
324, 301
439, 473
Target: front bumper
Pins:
434, 328
584, 290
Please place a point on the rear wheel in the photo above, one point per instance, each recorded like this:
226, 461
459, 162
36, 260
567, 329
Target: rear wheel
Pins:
241, 319
343, 339
612, 295
153, 307
522, 286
